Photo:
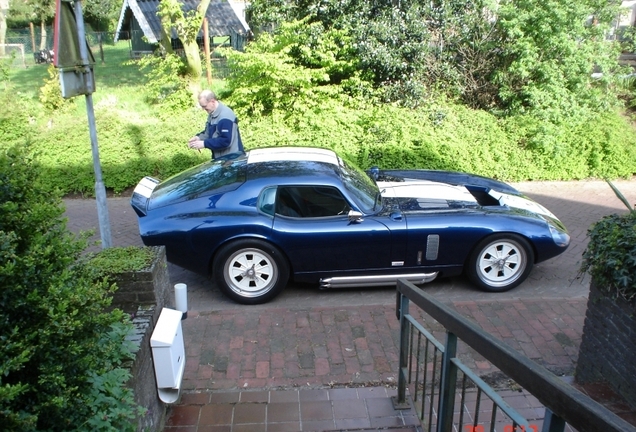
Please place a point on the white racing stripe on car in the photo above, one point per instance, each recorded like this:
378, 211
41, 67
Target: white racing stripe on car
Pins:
145, 187
425, 189
292, 154
521, 203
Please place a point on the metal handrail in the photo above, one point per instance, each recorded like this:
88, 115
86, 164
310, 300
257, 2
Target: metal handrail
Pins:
563, 402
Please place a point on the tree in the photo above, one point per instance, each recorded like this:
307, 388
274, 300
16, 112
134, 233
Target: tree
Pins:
507, 56
296, 69
187, 26
43, 10
4, 10
549, 50
103, 12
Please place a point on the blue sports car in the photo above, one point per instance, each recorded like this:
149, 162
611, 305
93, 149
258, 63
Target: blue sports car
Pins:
255, 220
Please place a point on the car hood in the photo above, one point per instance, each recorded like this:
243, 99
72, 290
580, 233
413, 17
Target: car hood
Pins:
431, 194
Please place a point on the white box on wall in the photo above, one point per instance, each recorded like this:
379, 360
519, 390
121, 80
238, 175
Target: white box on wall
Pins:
168, 350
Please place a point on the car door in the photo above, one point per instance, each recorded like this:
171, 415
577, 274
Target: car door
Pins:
311, 224
441, 236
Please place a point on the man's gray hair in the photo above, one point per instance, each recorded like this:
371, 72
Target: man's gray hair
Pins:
207, 95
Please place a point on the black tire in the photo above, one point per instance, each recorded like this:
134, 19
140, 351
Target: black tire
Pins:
500, 262
250, 271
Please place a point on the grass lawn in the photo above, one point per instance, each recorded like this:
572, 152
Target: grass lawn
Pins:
118, 79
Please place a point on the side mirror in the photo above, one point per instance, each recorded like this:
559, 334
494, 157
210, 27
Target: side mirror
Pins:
355, 216
373, 172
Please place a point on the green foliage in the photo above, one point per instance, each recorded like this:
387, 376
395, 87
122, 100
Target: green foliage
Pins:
4, 72
187, 24
60, 347
166, 85
51, 93
267, 82
264, 15
292, 71
130, 148
312, 46
393, 48
285, 94
593, 146
112, 405
550, 49
104, 12
610, 257
454, 137
116, 260
447, 137
509, 57
14, 119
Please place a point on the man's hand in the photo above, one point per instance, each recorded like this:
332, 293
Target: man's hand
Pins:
196, 143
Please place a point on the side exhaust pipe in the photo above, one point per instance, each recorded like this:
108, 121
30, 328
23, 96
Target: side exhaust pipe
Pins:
367, 281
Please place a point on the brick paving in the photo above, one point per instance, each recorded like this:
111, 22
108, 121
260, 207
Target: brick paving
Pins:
258, 368
358, 345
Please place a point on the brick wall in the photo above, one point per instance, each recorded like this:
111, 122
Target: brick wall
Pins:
150, 287
143, 295
608, 347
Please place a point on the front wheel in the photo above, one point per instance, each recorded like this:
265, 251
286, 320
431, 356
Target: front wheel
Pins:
500, 262
250, 271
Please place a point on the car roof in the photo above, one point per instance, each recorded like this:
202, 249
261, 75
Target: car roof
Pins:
294, 165
279, 154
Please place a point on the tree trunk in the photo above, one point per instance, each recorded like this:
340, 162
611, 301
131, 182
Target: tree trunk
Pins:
172, 16
166, 29
191, 50
195, 69
4, 11
43, 35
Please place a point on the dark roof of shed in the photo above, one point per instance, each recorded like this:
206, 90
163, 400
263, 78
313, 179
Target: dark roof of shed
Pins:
222, 18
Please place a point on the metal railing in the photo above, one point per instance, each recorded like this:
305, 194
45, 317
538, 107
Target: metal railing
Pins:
439, 382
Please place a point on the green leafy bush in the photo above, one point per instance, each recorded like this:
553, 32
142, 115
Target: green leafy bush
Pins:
610, 256
129, 148
284, 90
166, 85
438, 135
51, 93
60, 365
15, 118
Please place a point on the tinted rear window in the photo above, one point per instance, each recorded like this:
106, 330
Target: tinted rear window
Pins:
206, 179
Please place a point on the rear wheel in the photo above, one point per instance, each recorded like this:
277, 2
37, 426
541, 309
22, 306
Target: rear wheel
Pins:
500, 262
250, 271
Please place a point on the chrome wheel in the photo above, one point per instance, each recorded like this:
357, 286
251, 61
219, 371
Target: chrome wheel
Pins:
501, 262
250, 271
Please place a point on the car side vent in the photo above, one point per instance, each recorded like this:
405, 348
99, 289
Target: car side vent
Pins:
432, 247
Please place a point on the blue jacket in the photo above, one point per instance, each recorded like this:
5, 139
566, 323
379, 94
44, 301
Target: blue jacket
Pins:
221, 133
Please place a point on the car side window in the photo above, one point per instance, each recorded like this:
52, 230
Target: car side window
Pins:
310, 201
267, 200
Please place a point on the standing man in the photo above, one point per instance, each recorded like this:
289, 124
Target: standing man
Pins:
221, 134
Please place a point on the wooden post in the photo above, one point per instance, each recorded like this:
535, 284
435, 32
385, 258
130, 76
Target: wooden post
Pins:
32, 36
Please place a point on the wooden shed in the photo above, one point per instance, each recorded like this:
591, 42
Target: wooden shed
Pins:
139, 23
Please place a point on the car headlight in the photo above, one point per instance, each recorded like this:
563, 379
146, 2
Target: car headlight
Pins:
559, 235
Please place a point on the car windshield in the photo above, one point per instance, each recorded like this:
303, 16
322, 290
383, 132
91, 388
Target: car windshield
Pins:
361, 186
217, 176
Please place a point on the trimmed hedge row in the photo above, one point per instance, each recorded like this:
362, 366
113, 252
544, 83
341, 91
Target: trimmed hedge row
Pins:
449, 137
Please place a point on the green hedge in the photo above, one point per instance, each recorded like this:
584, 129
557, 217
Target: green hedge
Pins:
128, 149
61, 363
443, 136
